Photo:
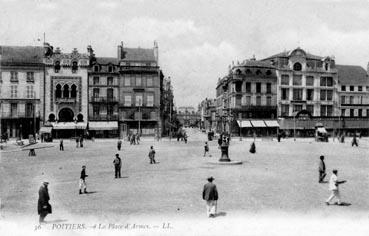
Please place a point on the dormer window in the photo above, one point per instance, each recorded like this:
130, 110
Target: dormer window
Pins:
326, 66
110, 69
248, 71
57, 67
258, 72
268, 72
297, 66
96, 68
74, 67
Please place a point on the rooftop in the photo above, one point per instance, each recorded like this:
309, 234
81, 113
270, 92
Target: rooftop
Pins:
352, 75
139, 54
21, 55
107, 60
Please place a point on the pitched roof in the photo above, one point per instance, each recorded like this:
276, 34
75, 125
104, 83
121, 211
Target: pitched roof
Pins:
287, 54
352, 75
255, 63
138, 54
107, 60
21, 55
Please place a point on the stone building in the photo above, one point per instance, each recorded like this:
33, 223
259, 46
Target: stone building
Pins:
21, 90
167, 107
66, 92
103, 89
207, 110
188, 116
139, 90
246, 99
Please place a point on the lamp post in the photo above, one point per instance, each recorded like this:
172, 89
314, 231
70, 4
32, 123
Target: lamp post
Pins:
139, 116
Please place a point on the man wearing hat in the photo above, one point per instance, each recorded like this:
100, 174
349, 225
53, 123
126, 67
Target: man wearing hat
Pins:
43, 206
210, 195
82, 181
322, 173
117, 165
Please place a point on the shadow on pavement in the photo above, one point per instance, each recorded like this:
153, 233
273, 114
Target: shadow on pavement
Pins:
220, 214
91, 192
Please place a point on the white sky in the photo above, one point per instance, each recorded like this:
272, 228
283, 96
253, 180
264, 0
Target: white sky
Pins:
197, 39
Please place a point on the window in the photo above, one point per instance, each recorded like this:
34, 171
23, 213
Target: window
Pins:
96, 68
258, 87
13, 109
297, 66
326, 81
110, 94
127, 81
1, 77
127, 100
269, 101
360, 88
248, 71
297, 80
96, 110
110, 80
57, 67
150, 100
326, 95
14, 91
66, 91
269, 88
96, 92
74, 67
110, 110
96, 80
352, 88
309, 80
138, 80
285, 94
138, 100
309, 94
343, 88
343, 100
297, 94
29, 109
258, 72
30, 77
73, 92
352, 112
268, 72
326, 110
13, 76
360, 112
297, 108
285, 110
258, 100
149, 82
29, 91
310, 108
343, 112
310, 64
110, 69
285, 80
248, 100
351, 99
248, 87
58, 91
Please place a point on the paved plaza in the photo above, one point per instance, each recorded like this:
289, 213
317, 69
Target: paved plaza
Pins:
280, 180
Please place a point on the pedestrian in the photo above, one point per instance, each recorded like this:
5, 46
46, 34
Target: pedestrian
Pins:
137, 138
185, 137
119, 144
61, 146
43, 205
82, 181
210, 195
81, 141
152, 155
252, 147
117, 165
334, 188
206, 148
322, 173
354, 141
77, 142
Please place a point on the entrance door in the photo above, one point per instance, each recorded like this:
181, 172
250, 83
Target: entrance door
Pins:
66, 115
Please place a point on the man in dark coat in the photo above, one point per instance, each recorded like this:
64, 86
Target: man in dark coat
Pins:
43, 206
322, 173
152, 155
119, 144
61, 145
117, 165
210, 195
82, 181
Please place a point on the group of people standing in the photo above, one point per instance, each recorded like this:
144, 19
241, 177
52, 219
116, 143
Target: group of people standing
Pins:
134, 138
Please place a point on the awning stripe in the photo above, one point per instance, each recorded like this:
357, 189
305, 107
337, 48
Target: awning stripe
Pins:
258, 123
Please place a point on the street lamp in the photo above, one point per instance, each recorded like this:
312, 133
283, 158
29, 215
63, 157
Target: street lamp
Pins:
139, 116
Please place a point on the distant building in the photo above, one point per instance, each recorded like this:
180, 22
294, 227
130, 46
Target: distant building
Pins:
167, 107
188, 116
21, 90
207, 110
139, 89
66, 92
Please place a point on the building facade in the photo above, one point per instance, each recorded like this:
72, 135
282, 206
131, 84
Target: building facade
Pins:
207, 110
139, 91
21, 89
66, 92
167, 107
246, 98
188, 116
103, 90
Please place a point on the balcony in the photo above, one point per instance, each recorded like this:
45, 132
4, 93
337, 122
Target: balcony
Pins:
103, 100
17, 115
103, 117
66, 100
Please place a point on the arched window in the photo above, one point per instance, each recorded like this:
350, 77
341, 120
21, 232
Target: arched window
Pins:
51, 117
110, 69
74, 67
58, 91
66, 91
238, 71
96, 68
73, 92
57, 67
297, 66
258, 72
268, 72
79, 118
248, 71
326, 66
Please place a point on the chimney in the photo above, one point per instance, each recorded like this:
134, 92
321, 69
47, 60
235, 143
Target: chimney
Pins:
156, 52
120, 51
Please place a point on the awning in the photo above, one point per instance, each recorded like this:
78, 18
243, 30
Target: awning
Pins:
258, 123
69, 125
322, 130
244, 123
271, 123
103, 125
45, 129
